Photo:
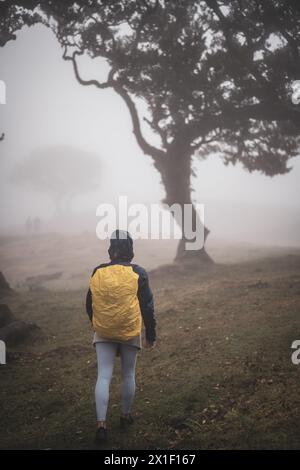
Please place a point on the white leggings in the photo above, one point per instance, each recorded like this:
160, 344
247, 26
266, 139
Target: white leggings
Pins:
106, 353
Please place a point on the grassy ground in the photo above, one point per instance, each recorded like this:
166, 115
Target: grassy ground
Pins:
220, 377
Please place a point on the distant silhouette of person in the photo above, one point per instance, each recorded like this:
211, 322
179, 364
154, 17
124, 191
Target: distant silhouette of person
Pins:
28, 225
37, 225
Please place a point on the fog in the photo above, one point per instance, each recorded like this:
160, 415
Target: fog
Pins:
46, 107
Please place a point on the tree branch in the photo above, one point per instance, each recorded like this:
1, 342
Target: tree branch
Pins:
154, 125
203, 141
231, 117
150, 10
243, 58
94, 82
148, 149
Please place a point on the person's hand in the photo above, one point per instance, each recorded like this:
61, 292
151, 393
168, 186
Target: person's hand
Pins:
150, 345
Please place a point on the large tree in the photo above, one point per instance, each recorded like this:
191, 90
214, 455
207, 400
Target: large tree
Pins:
216, 75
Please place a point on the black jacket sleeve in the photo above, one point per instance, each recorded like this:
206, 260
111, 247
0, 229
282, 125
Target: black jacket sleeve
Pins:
89, 305
145, 297
89, 300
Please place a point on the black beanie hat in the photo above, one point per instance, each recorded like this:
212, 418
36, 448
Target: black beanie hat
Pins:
121, 246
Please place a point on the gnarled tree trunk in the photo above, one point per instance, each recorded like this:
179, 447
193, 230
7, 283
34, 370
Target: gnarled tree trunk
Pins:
176, 177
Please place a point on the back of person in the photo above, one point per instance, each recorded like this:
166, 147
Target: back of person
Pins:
119, 301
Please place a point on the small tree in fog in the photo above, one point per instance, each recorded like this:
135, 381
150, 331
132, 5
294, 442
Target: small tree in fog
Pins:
60, 172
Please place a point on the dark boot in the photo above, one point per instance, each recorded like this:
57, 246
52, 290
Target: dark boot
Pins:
126, 421
101, 436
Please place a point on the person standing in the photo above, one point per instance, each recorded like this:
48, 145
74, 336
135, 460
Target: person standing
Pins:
118, 301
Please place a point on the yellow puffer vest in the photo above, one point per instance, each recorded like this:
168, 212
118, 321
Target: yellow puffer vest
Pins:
116, 309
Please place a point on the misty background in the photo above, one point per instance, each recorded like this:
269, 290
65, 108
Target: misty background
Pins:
47, 107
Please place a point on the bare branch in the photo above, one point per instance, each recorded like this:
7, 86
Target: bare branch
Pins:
94, 82
148, 149
155, 153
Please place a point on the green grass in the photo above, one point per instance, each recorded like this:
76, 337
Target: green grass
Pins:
221, 375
